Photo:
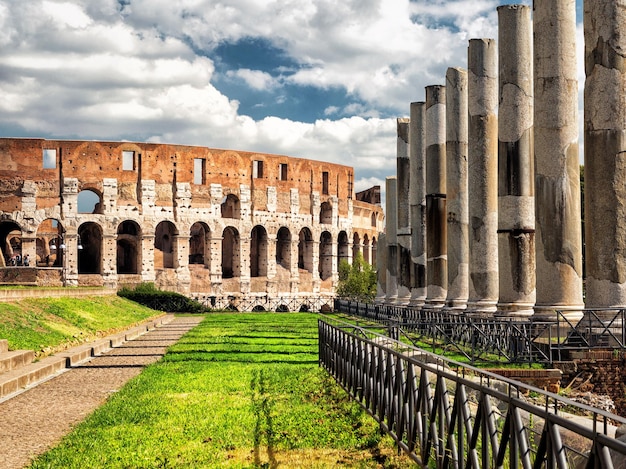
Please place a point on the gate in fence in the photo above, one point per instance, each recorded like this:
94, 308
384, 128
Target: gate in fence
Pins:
446, 415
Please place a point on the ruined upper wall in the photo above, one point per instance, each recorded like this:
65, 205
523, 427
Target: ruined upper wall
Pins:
91, 162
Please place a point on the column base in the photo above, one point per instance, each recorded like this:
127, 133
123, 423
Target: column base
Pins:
514, 310
573, 313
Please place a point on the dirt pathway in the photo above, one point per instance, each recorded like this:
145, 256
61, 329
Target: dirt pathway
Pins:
37, 419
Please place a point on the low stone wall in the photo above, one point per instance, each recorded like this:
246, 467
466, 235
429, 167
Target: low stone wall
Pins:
549, 380
599, 372
13, 294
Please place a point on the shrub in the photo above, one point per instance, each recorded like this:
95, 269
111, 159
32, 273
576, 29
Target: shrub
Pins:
149, 295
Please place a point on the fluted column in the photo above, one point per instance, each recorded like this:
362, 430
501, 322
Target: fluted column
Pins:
557, 172
417, 201
456, 188
436, 228
516, 202
483, 175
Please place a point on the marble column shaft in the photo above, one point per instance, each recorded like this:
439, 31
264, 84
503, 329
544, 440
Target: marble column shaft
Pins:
391, 219
456, 188
404, 226
557, 172
516, 203
483, 175
605, 153
436, 227
417, 201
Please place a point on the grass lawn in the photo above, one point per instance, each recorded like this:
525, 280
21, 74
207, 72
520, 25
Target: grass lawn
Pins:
242, 390
46, 325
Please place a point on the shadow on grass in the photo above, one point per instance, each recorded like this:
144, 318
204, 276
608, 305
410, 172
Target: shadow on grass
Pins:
262, 405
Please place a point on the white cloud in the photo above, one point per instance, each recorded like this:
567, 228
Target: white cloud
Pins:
97, 69
255, 79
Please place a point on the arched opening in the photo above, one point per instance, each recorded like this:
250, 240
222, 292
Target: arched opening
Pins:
326, 213
231, 207
326, 256
258, 252
374, 220
128, 247
305, 250
164, 245
199, 244
89, 201
356, 245
343, 248
49, 239
230, 253
11, 237
366, 249
89, 248
283, 248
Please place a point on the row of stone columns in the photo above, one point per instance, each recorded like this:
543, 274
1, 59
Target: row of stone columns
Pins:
492, 185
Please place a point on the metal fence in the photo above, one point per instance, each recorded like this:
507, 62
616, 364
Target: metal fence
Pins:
446, 415
511, 340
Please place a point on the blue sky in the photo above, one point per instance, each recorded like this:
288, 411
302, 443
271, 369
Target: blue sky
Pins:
316, 79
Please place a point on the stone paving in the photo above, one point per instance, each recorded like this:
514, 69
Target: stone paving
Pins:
38, 418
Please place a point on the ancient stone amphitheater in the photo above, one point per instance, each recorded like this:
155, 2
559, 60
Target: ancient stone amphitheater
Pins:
234, 228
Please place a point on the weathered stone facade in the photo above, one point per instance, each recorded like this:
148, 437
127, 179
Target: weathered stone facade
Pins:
205, 222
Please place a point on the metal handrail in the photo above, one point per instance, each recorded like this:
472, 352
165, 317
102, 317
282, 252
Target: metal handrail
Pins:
460, 416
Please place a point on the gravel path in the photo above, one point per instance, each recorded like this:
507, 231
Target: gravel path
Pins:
37, 419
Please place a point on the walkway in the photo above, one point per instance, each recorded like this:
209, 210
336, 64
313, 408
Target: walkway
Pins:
38, 418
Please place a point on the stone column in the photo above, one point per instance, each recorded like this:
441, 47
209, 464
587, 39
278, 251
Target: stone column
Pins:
109, 260
147, 257
557, 172
392, 243
181, 263
417, 202
404, 227
456, 188
605, 153
516, 202
436, 227
215, 264
483, 175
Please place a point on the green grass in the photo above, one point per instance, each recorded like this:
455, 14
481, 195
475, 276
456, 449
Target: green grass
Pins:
48, 324
239, 391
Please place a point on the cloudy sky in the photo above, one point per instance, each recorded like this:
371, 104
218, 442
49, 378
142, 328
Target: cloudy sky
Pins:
320, 79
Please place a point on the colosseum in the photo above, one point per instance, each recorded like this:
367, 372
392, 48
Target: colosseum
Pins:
236, 229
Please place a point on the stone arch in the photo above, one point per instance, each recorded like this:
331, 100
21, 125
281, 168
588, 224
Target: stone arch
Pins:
89, 248
305, 250
326, 213
164, 252
283, 247
366, 249
199, 244
258, 252
128, 247
231, 265
89, 201
11, 238
373, 218
356, 244
343, 247
326, 255
231, 207
49, 239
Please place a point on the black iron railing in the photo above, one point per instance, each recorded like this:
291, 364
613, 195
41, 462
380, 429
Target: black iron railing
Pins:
512, 340
446, 415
